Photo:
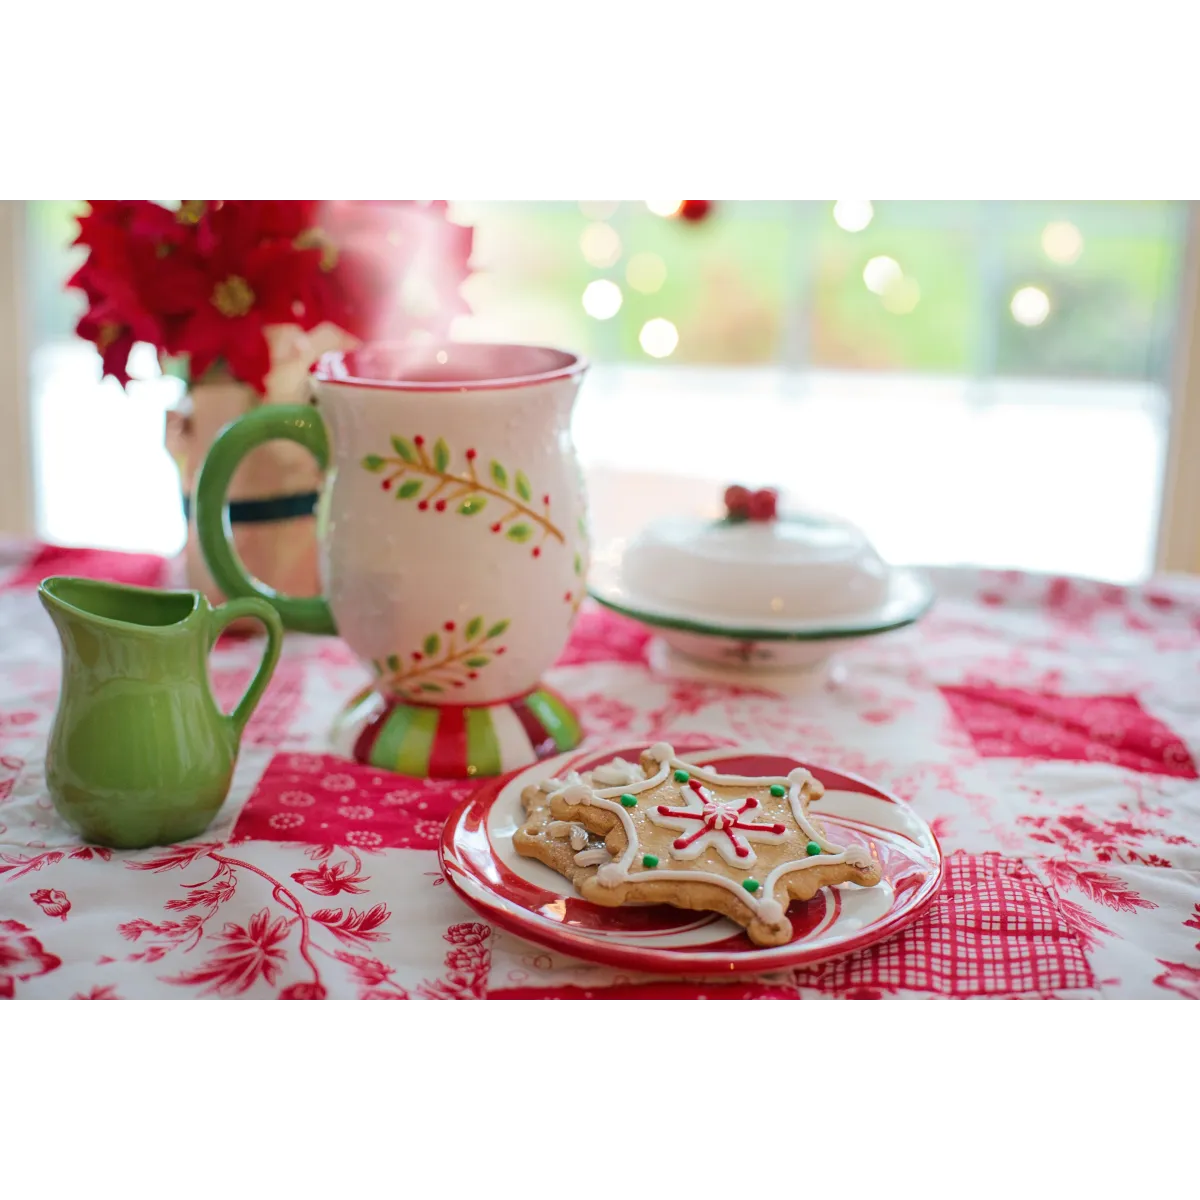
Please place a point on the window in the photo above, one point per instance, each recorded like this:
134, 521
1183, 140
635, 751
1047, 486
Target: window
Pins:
969, 381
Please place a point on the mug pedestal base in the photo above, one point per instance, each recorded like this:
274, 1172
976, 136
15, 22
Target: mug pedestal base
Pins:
451, 741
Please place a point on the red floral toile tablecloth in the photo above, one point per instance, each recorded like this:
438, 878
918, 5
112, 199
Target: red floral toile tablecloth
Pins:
1049, 729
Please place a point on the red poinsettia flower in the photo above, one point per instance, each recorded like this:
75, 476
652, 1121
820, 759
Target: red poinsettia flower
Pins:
236, 293
52, 902
21, 957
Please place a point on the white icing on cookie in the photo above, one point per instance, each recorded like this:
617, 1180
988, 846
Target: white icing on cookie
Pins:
579, 837
617, 773
726, 826
559, 830
590, 858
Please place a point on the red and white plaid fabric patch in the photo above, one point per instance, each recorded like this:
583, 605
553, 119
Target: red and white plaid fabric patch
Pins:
994, 930
1011, 723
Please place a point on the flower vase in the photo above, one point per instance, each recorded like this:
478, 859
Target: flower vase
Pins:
272, 499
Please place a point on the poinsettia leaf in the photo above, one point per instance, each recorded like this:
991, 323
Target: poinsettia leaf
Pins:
441, 454
480, 660
404, 448
408, 489
497, 629
472, 505
522, 485
519, 532
373, 462
474, 625
432, 645
499, 474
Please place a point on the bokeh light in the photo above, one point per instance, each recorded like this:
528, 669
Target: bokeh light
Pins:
664, 208
1030, 306
902, 295
659, 337
599, 210
601, 244
1062, 242
880, 273
646, 273
601, 299
853, 215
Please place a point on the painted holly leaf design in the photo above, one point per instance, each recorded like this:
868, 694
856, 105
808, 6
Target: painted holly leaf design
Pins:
444, 661
466, 490
404, 448
578, 564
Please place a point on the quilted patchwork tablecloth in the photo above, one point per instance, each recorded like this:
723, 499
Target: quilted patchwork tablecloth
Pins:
1048, 728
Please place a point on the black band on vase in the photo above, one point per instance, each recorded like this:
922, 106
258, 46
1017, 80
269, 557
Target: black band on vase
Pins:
257, 512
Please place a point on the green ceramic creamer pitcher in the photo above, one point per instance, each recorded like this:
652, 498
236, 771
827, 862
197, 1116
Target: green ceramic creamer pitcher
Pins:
139, 753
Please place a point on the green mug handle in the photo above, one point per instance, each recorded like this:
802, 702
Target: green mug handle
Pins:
297, 423
259, 610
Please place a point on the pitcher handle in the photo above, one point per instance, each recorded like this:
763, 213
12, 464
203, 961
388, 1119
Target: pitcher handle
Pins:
258, 610
297, 423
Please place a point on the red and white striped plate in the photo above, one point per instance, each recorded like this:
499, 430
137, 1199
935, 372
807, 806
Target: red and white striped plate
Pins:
528, 899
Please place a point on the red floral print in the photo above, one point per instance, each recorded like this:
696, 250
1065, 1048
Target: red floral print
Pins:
22, 957
86, 852
354, 927
19, 865
467, 965
303, 991
108, 992
1179, 977
246, 955
53, 903
1079, 832
1099, 887
329, 880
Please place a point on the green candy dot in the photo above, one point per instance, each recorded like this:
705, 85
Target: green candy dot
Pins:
751, 885
629, 800
649, 860
776, 790
681, 777
813, 848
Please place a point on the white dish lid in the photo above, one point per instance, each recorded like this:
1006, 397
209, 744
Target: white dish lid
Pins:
786, 575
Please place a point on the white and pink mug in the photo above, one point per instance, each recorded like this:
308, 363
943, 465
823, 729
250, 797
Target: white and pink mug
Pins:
453, 545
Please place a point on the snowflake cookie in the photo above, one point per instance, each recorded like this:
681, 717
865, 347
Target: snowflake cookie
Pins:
568, 847
689, 836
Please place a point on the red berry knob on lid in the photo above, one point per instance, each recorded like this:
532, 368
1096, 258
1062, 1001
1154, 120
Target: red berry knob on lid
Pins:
737, 501
762, 505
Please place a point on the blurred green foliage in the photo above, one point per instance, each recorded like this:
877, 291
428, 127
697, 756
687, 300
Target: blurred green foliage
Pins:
780, 281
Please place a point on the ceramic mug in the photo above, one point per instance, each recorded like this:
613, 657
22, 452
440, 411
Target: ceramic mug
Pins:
139, 753
453, 544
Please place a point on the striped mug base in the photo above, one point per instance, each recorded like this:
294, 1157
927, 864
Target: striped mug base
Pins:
455, 742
